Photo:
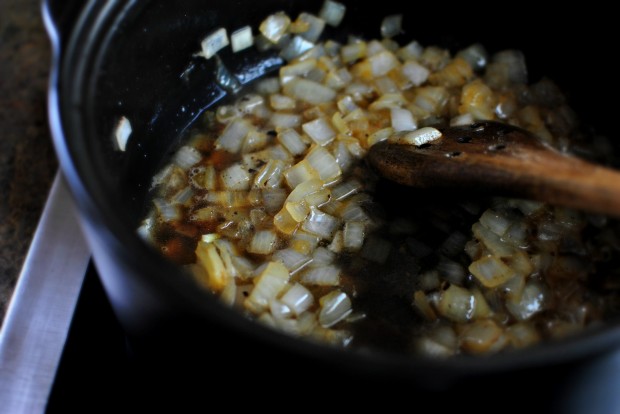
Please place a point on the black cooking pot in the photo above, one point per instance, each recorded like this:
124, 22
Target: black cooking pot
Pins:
134, 58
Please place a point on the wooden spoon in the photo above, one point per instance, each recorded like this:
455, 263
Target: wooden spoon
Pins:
500, 159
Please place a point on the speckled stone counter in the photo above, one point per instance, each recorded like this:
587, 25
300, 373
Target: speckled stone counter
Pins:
27, 159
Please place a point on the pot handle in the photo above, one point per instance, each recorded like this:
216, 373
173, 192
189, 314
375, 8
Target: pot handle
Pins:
60, 17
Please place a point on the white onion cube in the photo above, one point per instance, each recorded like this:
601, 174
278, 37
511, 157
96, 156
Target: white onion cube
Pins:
320, 131
233, 136
321, 224
353, 235
416, 73
298, 298
382, 63
186, 156
213, 43
285, 120
402, 120
324, 163
241, 39
263, 242
418, 137
315, 26
292, 259
300, 172
392, 25
309, 91
236, 177
335, 306
122, 132
292, 141
322, 276
332, 12
272, 280
275, 26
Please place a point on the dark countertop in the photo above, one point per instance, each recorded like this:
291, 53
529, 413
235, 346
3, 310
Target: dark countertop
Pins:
27, 159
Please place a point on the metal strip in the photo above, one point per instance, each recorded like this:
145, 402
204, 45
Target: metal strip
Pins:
40, 312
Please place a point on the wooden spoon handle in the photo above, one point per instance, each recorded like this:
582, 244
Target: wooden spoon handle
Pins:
502, 160
552, 177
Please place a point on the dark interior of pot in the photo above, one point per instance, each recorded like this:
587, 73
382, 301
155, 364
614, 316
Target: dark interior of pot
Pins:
139, 63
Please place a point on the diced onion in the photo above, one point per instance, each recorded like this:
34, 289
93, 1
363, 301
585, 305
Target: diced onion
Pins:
459, 120
292, 259
145, 229
323, 163
210, 260
296, 47
530, 302
495, 222
392, 25
346, 105
411, 51
241, 39
300, 172
480, 336
308, 91
492, 241
281, 102
418, 137
271, 175
457, 304
332, 12
402, 120
299, 68
273, 199
451, 271
213, 43
522, 335
284, 120
267, 86
186, 157
276, 188
298, 299
346, 189
375, 47
353, 51
274, 26
314, 24
382, 63
263, 242
267, 286
279, 310
322, 257
321, 224
236, 177
322, 276
415, 73
304, 242
388, 101
475, 55
167, 211
354, 235
320, 131
122, 132
491, 272
335, 306
232, 138
427, 346
507, 67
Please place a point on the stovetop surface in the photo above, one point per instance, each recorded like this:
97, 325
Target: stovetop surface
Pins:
95, 365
